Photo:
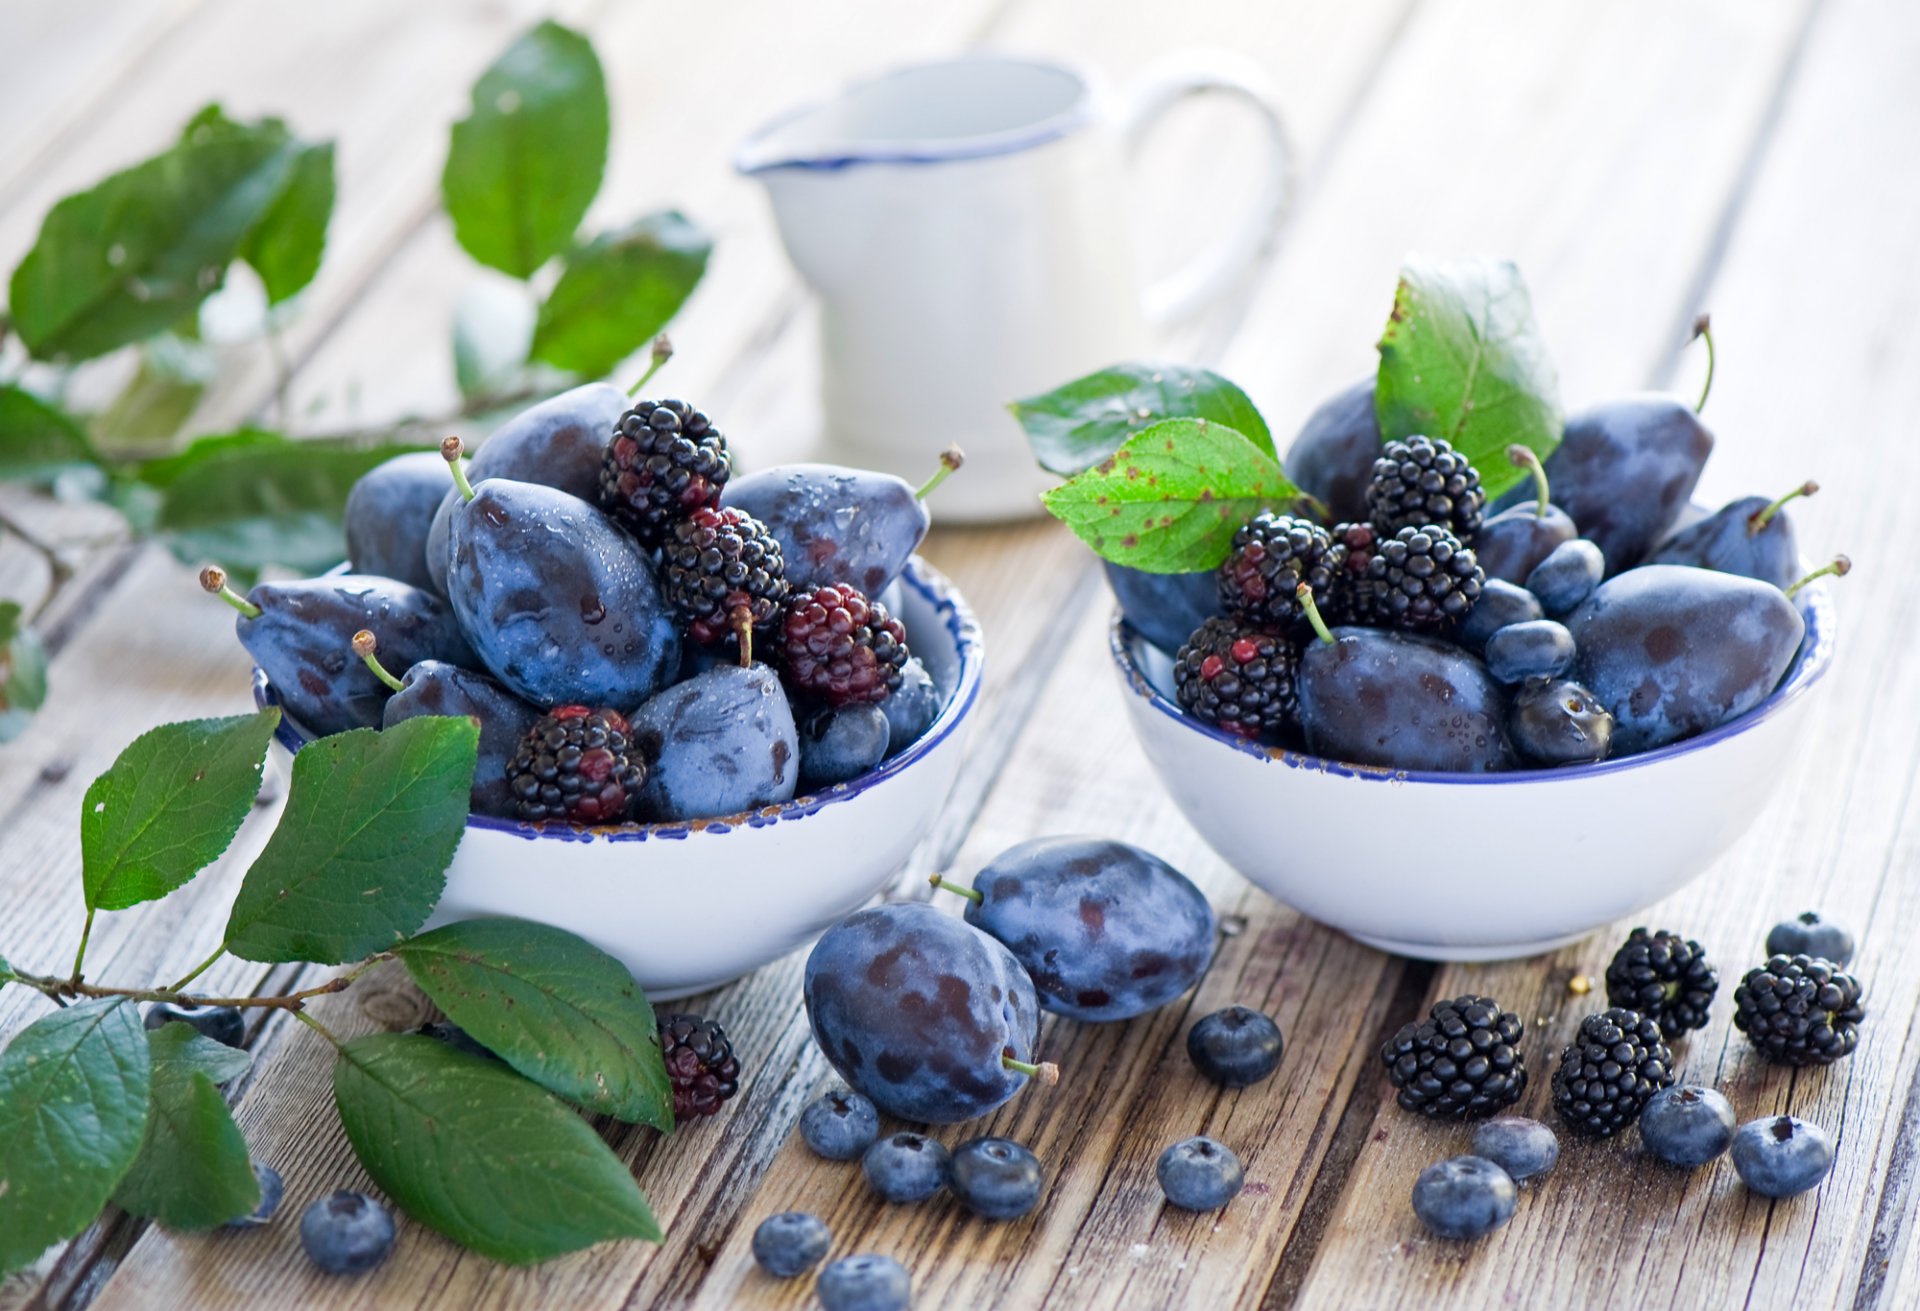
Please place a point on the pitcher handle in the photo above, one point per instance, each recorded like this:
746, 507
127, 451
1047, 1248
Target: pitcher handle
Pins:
1191, 289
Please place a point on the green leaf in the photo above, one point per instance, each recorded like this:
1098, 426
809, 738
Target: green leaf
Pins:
527, 160
554, 1007
23, 672
154, 405
169, 806
492, 329
469, 1148
140, 251
73, 1109
361, 853
1463, 359
37, 439
618, 291
193, 1171
286, 247
1170, 499
1075, 427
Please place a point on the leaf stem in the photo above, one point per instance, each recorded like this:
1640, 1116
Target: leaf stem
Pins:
944, 884
59, 572
318, 1028
1703, 329
662, 352
80, 954
57, 989
950, 459
200, 969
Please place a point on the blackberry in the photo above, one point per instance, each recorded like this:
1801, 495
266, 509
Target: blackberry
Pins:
1240, 679
664, 461
1615, 1064
1272, 555
1420, 578
700, 1065
1665, 977
1423, 480
1462, 1062
725, 575
838, 646
579, 764
1352, 551
1800, 1010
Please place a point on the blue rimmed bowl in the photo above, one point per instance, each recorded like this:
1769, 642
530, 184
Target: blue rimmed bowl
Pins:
689, 906
1465, 867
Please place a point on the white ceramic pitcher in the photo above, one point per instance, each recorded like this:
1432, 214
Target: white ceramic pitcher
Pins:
965, 225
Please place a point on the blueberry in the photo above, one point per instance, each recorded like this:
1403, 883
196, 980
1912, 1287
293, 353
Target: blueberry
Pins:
1401, 701
905, 1167
1107, 931
865, 1283
1782, 1155
1752, 537
272, 1189
995, 1178
1809, 935
1332, 455
1525, 1149
834, 524
840, 1125
1465, 1197
838, 743
790, 1243
1163, 608
1567, 576
1509, 544
925, 1014
1236, 1047
1520, 653
719, 743
388, 513
912, 707
1501, 603
223, 1024
347, 1233
1559, 723
1199, 1174
434, 687
1687, 1125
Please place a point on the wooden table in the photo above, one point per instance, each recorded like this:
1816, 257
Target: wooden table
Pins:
1642, 160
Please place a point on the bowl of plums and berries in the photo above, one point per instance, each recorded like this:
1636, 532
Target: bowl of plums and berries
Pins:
1463, 678
694, 689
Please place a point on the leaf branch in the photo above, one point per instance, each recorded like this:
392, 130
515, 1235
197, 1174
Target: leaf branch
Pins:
61, 989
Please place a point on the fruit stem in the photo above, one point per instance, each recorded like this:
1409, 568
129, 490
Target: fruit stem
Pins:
1840, 567
214, 579
662, 352
950, 459
1305, 593
1761, 518
450, 450
366, 647
1703, 329
1526, 459
1315, 506
1046, 1071
942, 883
743, 629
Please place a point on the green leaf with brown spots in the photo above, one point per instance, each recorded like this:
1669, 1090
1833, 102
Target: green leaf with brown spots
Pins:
1076, 426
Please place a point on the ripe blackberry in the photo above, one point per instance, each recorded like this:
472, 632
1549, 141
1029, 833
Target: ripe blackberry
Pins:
1423, 480
1800, 1010
1665, 977
700, 1065
1616, 1063
1462, 1062
578, 764
664, 461
725, 575
1353, 548
1239, 678
1272, 554
837, 645
1421, 579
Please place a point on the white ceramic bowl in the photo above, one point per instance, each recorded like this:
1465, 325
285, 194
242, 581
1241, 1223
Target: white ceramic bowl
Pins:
1465, 867
689, 906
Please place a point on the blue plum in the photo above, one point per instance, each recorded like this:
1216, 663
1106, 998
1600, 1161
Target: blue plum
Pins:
434, 687
1752, 537
1165, 608
840, 743
301, 634
1401, 701
924, 1014
560, 605
1672, 651
719, 743
1332, 456
1511, 543
912, 707
1520, 653
1107, 931
388, 514
835, 524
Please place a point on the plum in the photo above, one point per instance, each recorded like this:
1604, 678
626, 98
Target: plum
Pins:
388, 513
719, 743
1332, 456
1509, 544
1164, 608
1559, 723
1752, 537
840, 743
911, 707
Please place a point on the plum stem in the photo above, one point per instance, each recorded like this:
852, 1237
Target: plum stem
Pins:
662, 352
741, 620
366, 646
1840, 567
1315, 506
450, 450
943, 883
1761, 518
214, 579
1703, 330
1528, 460
1046, 1071
950, 459
1305, 593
